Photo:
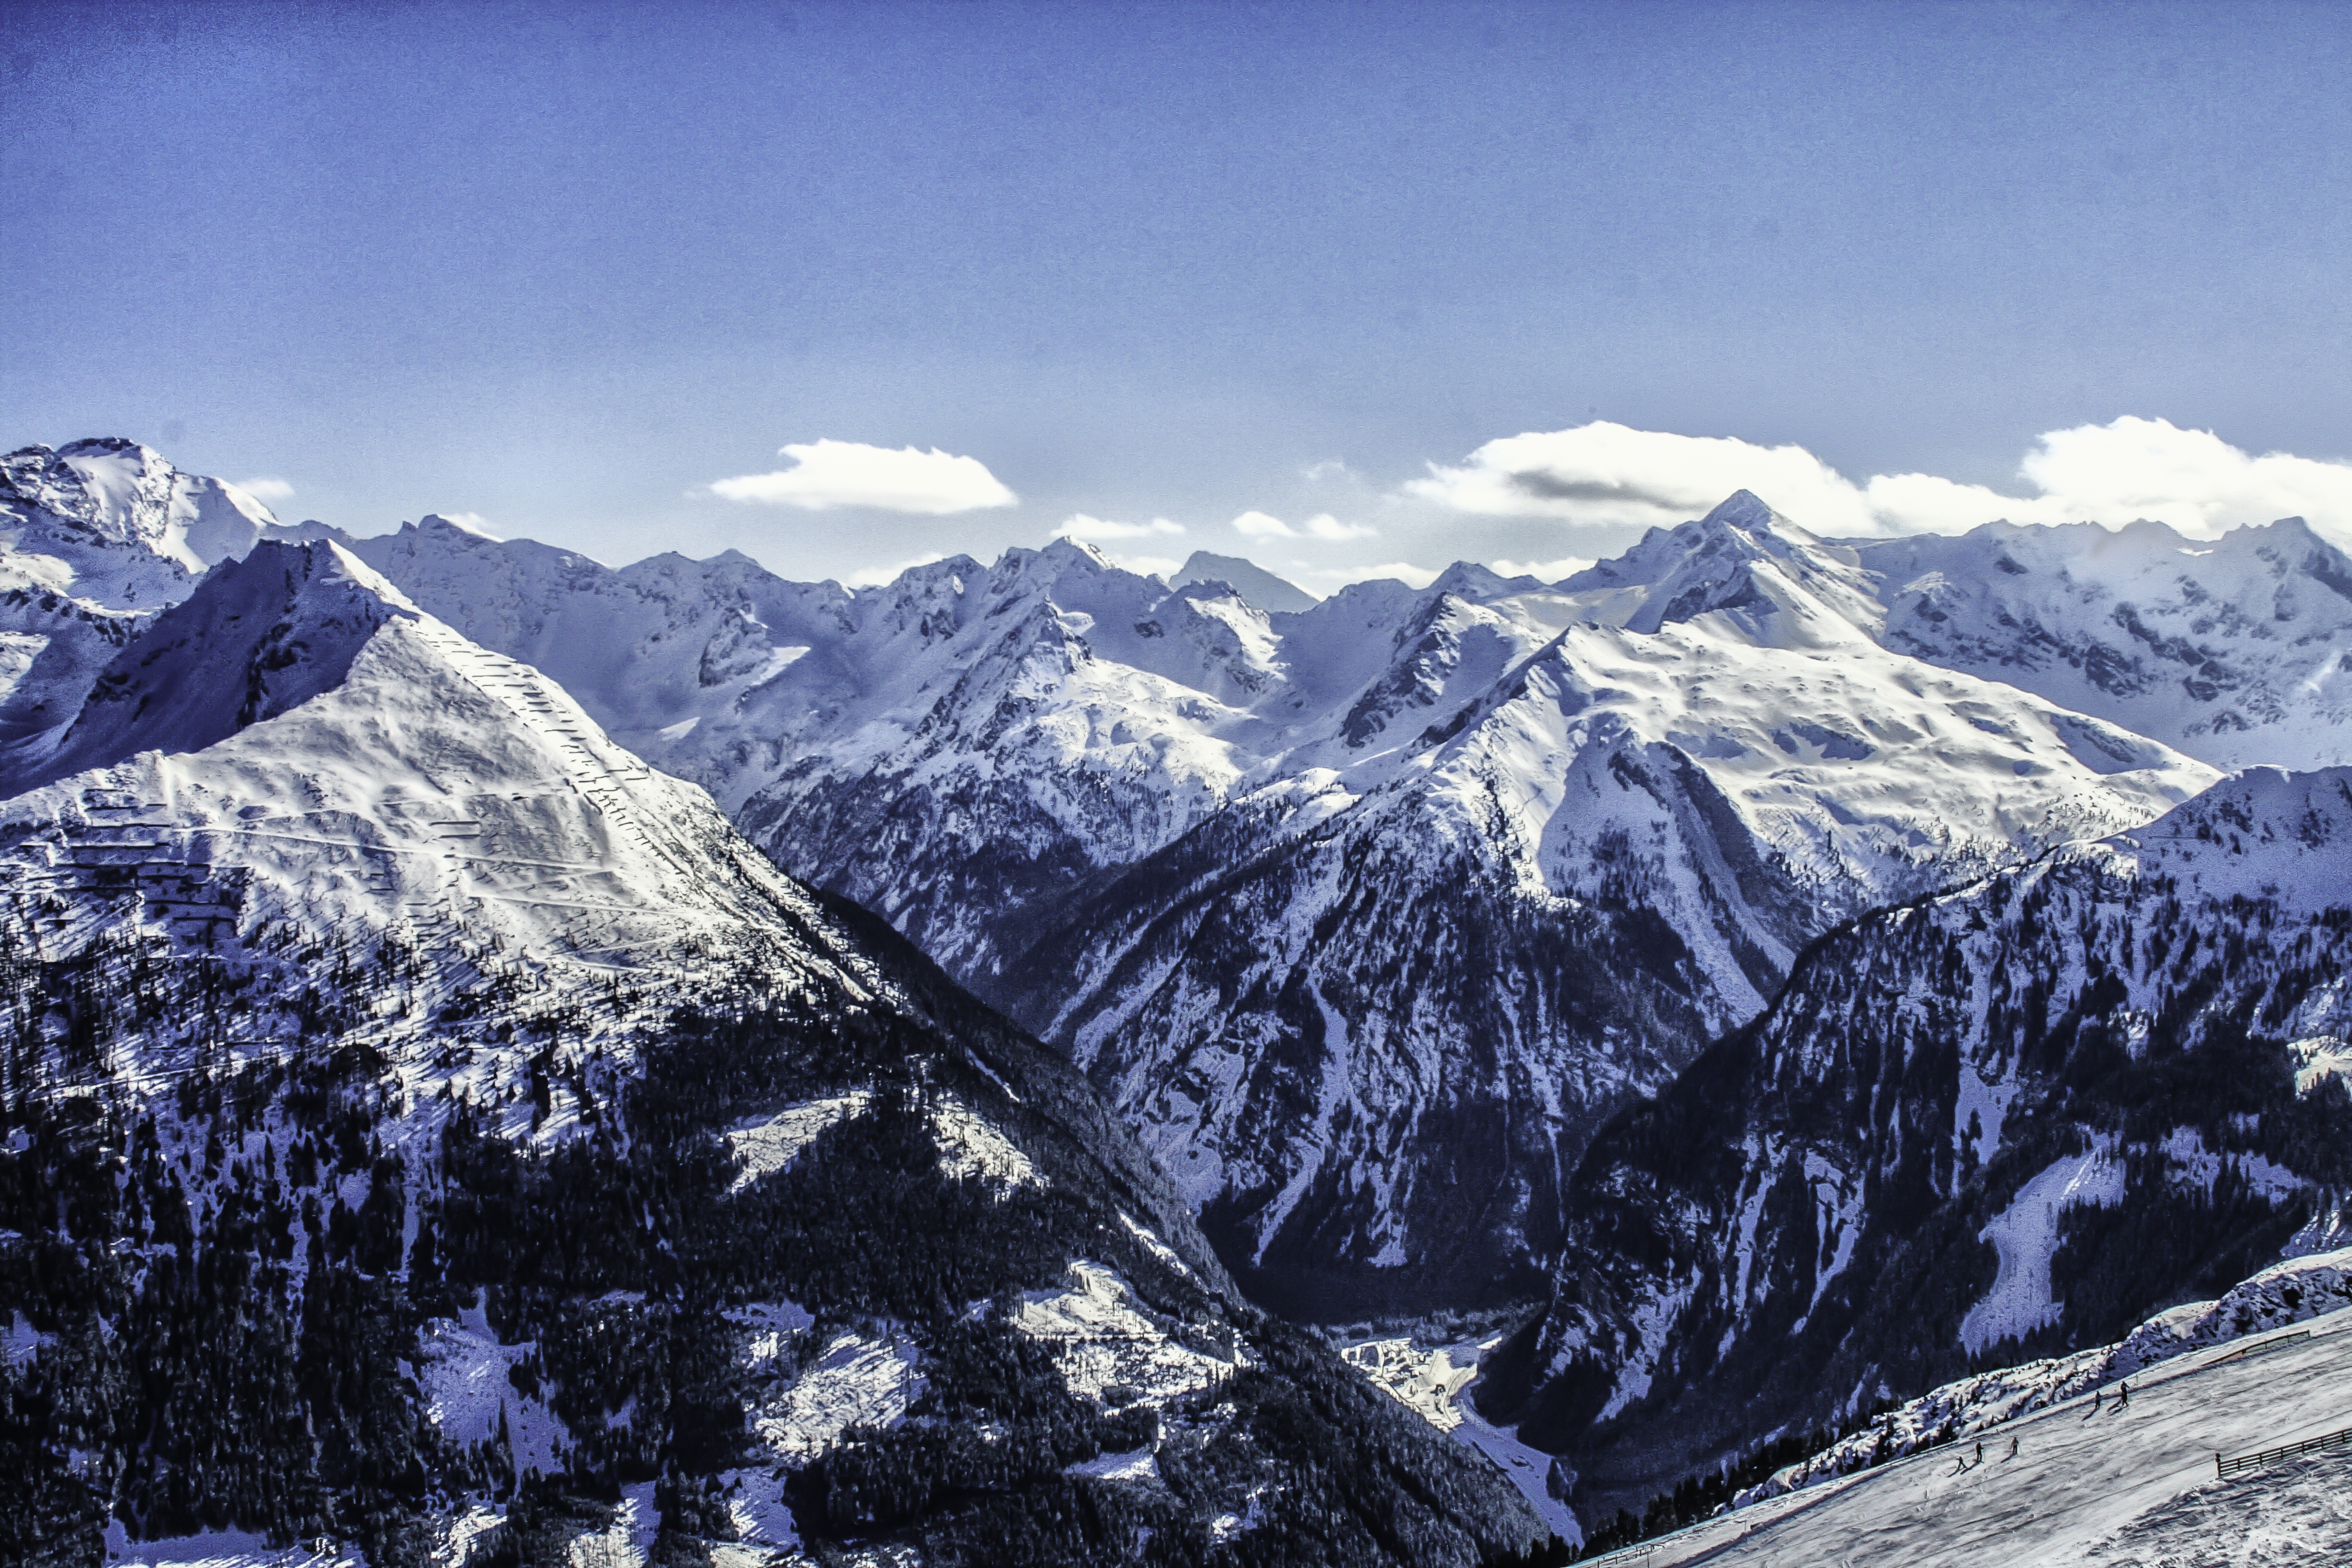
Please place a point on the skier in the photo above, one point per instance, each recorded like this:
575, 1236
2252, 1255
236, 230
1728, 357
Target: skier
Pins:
1980, 1455
2123, 1396
2098, 1398
2012, 1446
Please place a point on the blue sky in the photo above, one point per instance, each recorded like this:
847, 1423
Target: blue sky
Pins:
564, 267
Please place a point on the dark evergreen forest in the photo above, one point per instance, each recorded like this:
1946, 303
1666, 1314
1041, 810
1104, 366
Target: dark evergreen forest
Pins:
229, 1267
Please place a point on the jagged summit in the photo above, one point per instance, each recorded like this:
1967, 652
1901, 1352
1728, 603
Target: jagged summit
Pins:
1751, 572
1745, 510
1478, 583
113, 490
2236, 649
299, 732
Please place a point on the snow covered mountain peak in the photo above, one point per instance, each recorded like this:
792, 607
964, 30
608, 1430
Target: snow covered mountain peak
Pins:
1746, 512
1480, 584
256, 637
1744, 570
1274, 594
114, 491
298, 744
2236, 649
463, 525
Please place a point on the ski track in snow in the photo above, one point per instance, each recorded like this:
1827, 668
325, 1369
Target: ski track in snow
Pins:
2129, 1485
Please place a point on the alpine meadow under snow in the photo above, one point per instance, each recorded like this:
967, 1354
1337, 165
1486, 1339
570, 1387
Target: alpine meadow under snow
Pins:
510, 1059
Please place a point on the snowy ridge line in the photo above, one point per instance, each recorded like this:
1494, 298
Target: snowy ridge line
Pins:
2224, 1468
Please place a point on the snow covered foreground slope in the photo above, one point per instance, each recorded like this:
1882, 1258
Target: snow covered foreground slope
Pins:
2002, 1123
2286, 1293
2093, 1479
429, 1129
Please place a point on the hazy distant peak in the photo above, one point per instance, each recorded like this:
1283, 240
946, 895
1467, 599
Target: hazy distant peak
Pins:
1470, 579
1252, 582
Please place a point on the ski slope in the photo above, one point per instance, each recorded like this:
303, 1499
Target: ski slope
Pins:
2110, 1483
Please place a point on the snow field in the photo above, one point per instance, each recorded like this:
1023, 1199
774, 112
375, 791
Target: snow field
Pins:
852, 1381
1099, 1337
2090, 1484
1138, 1465
2025, 1234
462, 1370
767, 1147
222, 1548
970, 1148
627, 1541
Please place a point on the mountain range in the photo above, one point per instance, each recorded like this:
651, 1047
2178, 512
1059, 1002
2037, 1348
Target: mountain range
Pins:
1719, 956
432, 1128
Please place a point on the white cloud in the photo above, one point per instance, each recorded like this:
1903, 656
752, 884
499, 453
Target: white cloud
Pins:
2132, 468
2113, 474
1081, 526
1404, 571
1322, 525
1604, 472
850, 473
1543, 571
266, 488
